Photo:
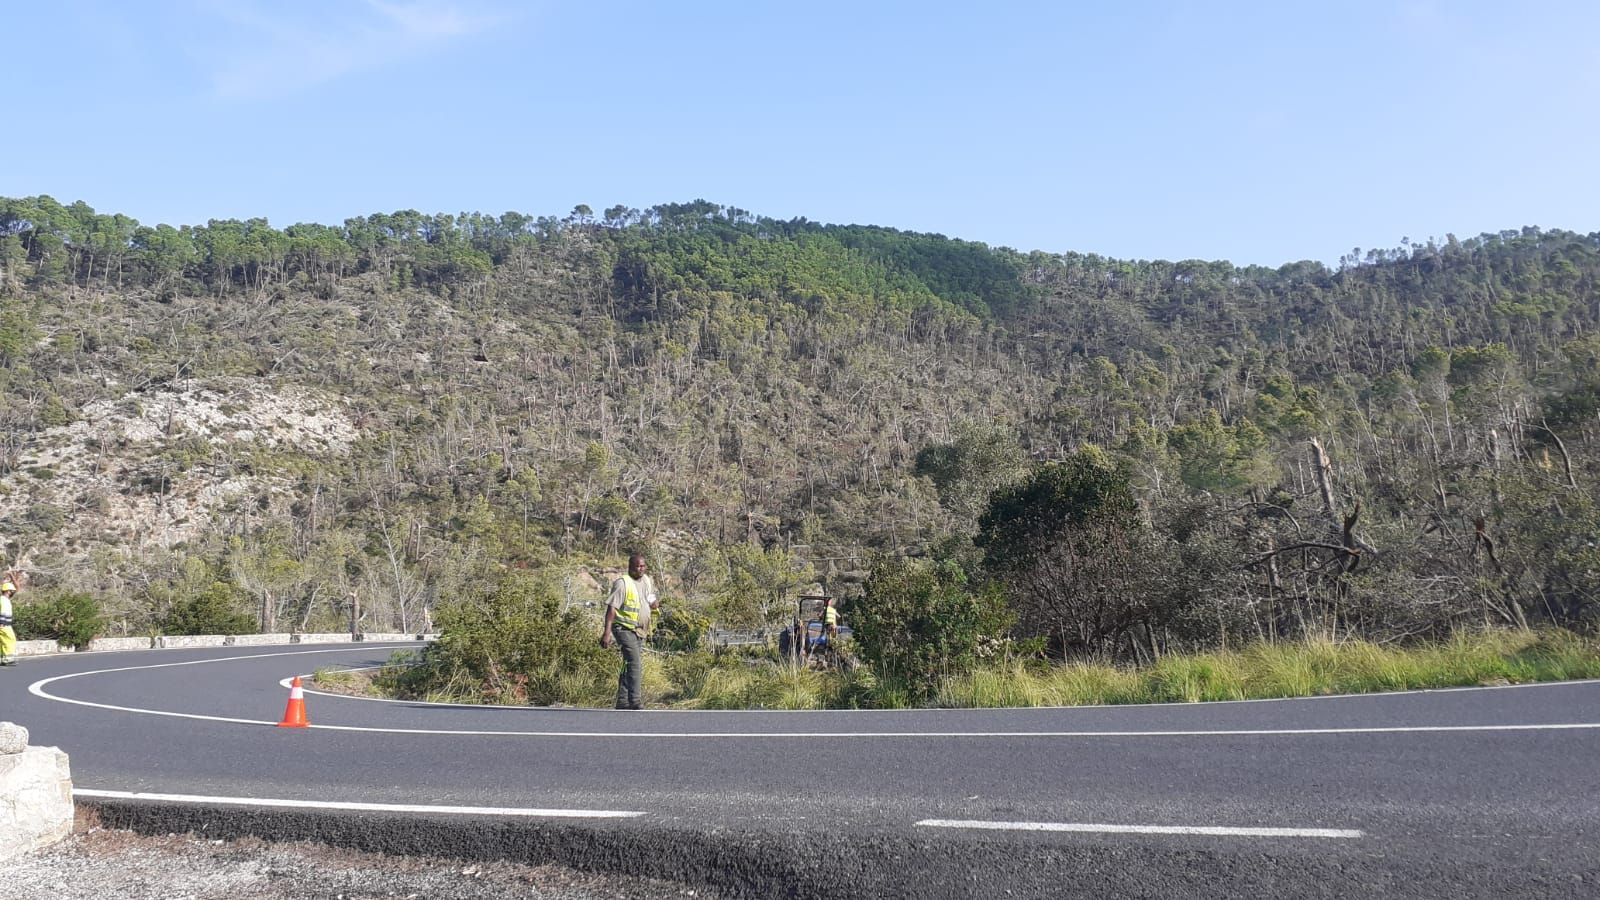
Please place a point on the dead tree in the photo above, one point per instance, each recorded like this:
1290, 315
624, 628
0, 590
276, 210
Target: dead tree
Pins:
1344, 548
1347, 553
1511, 608
1351, 547
1561, 448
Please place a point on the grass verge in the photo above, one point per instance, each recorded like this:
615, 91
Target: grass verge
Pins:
1260, 671
1307, 669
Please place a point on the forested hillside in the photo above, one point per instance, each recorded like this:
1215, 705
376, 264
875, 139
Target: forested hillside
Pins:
398, 407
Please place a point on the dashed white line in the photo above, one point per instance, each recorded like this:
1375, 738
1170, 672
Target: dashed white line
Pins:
366, 807
1105, 828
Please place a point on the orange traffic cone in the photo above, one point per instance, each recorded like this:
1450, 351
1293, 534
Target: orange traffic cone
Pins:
294, 715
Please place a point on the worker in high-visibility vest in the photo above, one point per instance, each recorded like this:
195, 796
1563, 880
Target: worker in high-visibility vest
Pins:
830, 622
633, 598
8, 636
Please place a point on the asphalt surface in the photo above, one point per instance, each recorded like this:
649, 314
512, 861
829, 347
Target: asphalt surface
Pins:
1425, 794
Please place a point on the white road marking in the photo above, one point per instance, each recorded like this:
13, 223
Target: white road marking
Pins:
37, 689
790, 735
365, 807
1101, 828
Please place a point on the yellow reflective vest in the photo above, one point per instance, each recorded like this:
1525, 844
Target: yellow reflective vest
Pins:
628, 612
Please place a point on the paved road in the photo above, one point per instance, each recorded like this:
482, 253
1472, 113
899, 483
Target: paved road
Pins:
1487, 792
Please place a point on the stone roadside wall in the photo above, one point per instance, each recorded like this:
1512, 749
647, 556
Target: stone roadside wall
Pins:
35, 793
46, 648
337, 637
257, 640
139, 643
191, 640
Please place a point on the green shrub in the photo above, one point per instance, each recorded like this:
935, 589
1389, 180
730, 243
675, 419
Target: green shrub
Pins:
919, 621
680, 630
215, 610
511, 643
70, 618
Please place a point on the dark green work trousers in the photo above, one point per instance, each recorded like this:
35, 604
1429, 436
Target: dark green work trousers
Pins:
630, 684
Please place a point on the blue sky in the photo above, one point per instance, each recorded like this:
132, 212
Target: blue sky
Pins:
1257, 132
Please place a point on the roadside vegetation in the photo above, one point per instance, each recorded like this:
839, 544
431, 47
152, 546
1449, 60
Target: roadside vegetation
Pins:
65, 616
925, 637
1308, 669
756, 680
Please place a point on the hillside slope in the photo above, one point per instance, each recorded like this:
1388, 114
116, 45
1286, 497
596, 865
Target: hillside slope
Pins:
398, 406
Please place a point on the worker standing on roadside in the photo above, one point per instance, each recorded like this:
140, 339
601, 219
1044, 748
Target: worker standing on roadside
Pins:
8, 636
633, 598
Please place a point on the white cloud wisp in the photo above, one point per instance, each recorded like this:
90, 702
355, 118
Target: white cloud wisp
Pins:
273, 53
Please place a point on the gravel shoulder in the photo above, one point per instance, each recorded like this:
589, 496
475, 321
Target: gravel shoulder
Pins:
96, 863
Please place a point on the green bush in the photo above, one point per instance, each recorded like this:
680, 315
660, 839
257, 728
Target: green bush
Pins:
215, 610
512, 643
919, 621
679, 630
69, 618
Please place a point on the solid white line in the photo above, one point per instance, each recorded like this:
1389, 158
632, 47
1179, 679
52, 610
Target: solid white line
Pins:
791, 735
37, 689
366, 807
1577, 682
1092, 827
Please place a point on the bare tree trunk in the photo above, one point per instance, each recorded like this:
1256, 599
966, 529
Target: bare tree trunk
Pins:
1323, 468
1566, 461
1494, 469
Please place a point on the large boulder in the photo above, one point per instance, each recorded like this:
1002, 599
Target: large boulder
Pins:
35, 793
13, 738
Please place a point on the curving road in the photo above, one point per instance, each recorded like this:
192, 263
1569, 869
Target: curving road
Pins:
1481, 792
